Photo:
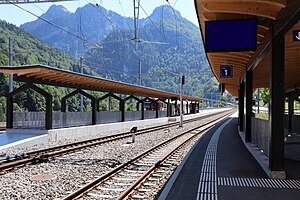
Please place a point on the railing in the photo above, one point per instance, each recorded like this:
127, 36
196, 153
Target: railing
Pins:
133, 115
36, 120
108, 117
149, 114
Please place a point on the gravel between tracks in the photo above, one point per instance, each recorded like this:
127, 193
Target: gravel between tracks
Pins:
75, 170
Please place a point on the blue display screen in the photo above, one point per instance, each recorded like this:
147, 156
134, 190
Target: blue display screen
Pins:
230, 35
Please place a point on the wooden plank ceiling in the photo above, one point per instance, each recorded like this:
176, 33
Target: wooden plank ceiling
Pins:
265, 11
58, 77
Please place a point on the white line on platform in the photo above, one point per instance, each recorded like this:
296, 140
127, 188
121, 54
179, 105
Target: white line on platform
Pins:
207, 169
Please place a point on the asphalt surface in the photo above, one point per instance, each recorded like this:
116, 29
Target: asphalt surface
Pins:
234, 163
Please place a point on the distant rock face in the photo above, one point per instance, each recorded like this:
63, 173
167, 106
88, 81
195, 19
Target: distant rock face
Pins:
166, 41
91, 23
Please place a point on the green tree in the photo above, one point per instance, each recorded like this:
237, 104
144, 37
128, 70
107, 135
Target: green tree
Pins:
265, 95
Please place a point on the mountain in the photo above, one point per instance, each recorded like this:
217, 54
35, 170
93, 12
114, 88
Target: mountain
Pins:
182, 52
91, 23
167, 42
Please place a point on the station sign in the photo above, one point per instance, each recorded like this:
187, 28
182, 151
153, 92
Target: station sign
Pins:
296, 35
226, 71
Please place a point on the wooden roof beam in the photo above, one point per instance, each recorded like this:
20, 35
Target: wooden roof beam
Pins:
243, 7
287, 18
279, 3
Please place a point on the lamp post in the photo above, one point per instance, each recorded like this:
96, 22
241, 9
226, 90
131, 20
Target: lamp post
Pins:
182, 81
11, 88
81, 96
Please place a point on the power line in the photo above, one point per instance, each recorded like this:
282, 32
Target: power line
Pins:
174, 4
152, 21
128, 26
176, 19
52, 24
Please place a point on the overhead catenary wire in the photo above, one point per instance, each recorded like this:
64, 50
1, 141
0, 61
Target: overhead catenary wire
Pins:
96, 5
152, 21
176, 20
162, 20
52, 24
128, 26
80, 25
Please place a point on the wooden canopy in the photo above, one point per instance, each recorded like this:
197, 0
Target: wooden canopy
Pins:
269, 13
57, 77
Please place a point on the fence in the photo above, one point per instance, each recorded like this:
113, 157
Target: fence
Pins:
104, 117
36, 120
133, 115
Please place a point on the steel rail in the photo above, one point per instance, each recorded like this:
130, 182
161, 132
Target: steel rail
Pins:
43, 155
131, 189
83, 190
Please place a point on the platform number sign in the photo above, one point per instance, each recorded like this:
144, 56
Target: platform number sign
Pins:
226, 71
296, 35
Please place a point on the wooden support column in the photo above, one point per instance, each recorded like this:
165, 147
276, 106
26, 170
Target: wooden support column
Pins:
10, 104
276, 114
175, 106
48, 97
49, 123
143, 111
187, 107
291, 112
94, 111
249, 89
241, 105
156, 109
9, 111
168, 108
122, 109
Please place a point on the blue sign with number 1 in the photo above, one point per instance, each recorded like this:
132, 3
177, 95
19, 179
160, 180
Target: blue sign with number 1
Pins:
226, 71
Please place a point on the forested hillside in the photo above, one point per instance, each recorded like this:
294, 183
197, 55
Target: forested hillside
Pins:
30, 50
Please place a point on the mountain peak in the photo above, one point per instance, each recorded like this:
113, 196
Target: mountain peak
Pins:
165, 11
56, 10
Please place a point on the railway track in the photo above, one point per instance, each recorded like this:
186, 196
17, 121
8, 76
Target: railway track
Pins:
141, 175
10, 163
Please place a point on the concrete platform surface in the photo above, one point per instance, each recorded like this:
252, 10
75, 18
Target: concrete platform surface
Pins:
12, 139
219, 167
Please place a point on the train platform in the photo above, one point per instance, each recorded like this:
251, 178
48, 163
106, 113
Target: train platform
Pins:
12, 139
219, 166
26, 137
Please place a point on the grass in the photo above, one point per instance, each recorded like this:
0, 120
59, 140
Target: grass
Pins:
264, 116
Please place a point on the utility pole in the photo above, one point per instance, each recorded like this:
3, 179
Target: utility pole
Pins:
81, 96
136, 21
11, 87
182, 81
140, 72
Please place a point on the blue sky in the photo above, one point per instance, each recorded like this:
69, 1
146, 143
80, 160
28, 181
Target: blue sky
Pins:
15, 15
